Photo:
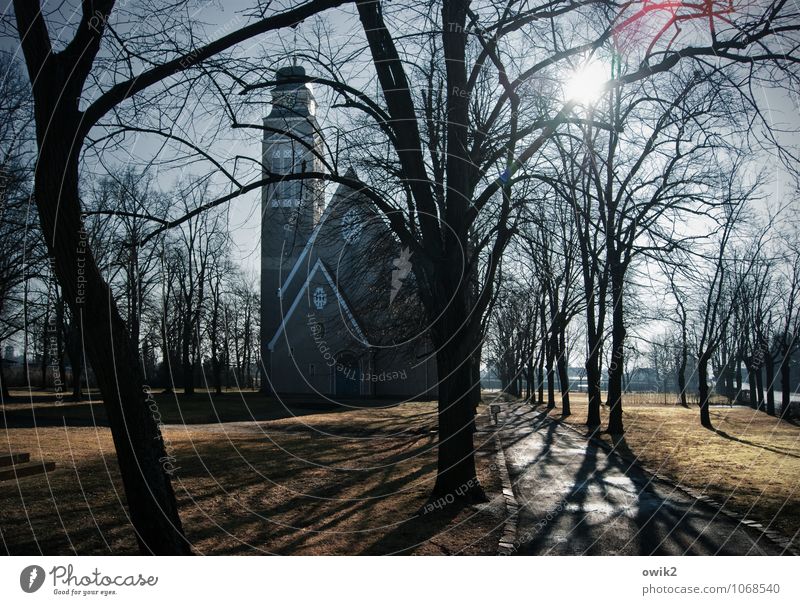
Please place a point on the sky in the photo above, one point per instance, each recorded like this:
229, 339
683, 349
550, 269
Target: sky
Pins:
220, 18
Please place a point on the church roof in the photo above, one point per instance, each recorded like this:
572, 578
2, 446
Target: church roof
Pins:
341, 192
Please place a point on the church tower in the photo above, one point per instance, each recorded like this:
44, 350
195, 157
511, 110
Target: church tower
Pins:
290, 209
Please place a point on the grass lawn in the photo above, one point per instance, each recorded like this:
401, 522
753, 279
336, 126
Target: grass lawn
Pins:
750, 462
173, 408
322, 482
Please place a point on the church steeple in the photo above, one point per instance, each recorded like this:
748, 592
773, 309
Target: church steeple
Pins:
290, 207
290, 97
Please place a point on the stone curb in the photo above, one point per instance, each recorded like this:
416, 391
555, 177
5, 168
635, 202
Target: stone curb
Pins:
506, 544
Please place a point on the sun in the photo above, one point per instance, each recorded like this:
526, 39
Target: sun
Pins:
585, 86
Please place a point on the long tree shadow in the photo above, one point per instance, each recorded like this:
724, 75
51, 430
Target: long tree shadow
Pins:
669, 522
722, 433
613, 506
573, 504
233, 499
415, 531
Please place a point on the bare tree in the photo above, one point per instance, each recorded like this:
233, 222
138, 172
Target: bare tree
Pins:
719, 286
60, 81
787, 337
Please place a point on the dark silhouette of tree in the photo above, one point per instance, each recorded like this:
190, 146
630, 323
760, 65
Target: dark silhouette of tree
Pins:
59, 79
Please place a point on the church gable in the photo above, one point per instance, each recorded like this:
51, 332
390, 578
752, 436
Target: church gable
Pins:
319, 298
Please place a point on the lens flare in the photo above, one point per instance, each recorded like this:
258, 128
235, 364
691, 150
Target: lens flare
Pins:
586, 85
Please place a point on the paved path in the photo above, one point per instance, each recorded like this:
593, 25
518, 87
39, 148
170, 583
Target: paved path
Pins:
576, 499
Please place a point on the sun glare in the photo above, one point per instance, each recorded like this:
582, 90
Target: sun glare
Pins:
585, 86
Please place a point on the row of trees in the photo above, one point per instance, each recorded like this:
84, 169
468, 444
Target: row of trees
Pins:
652, 214
726, 323
192, 312
456, 114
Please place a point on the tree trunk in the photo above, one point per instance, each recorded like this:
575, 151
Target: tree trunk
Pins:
751, 382
682, 374
727, 378
738, 375
529, 382
593, 385
44, 362
769, 370
61, 383
758, 385
5, 394
563, 375
540, 380
786, 387
216, 367
186, 358
76, 359
702, 376
137, 437
551, 379
542, 354
617, 365
593, 330
456, 476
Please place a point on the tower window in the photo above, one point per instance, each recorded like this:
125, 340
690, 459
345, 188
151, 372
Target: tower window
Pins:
285, 193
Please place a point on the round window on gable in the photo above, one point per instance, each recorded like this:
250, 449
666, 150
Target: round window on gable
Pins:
320, 298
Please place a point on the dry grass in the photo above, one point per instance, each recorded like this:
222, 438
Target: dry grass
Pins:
325, 483
750, 462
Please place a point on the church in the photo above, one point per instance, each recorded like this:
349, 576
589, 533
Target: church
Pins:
340, 318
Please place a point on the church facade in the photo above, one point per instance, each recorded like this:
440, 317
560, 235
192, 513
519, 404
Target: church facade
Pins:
339, 314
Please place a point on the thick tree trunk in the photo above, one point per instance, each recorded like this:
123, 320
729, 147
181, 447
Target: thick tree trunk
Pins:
76, 359
563, 375
456, 477
593, 390
137, 437
769, 371
702, 376
758, 385
617, 365
551, 379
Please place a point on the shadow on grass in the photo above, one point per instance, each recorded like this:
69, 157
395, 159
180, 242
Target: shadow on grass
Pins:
722, 433
172, 408
243, 496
